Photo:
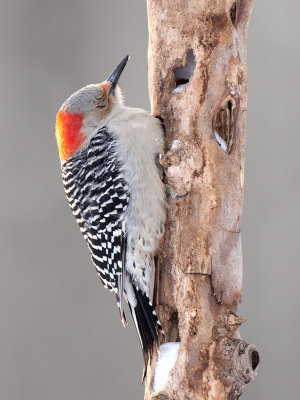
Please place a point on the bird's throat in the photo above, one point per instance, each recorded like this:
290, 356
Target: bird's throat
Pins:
68, 133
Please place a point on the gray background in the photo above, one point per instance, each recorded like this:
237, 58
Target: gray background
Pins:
60, 334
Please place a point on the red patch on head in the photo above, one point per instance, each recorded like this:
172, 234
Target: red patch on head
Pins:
68, 133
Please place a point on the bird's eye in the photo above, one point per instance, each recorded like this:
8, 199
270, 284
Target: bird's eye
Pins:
101, 104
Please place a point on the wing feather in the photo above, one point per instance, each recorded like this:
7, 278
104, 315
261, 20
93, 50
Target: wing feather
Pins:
98, 196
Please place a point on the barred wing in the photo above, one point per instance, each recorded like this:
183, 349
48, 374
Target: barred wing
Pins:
98, 196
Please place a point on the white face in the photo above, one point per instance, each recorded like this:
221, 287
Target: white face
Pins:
84, 100
95, 103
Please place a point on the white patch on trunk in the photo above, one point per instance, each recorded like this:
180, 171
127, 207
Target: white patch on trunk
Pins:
180, 88
221, 141
175, 144
168, 353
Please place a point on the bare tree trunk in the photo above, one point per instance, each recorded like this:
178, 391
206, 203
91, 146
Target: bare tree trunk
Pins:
198, 86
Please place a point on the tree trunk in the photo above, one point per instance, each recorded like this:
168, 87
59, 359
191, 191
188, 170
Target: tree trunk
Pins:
198, 87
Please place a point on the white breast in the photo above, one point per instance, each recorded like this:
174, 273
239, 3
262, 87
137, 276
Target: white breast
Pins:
140, 138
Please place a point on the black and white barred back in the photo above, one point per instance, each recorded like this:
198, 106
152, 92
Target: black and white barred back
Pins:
99, 196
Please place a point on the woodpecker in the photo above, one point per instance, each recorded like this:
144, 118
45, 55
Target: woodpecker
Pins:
113, 184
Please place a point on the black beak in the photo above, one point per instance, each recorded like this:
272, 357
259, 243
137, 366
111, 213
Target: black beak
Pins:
115, 75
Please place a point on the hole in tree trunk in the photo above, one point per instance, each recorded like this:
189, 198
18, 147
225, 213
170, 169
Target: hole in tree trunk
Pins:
224, 125
183, 74
233, 13
254, 359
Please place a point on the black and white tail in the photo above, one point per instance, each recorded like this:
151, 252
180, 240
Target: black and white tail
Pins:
145, 320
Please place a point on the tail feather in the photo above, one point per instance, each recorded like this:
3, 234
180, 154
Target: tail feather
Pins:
146, 323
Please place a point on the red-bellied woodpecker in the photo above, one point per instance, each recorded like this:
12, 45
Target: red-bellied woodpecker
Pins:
112, 182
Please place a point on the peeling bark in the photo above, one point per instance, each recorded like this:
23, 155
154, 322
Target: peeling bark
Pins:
198, 87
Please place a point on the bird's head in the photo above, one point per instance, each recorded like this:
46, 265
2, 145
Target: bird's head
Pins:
87, 110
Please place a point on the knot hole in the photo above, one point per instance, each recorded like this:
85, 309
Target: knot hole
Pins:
254, 358
224, 124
